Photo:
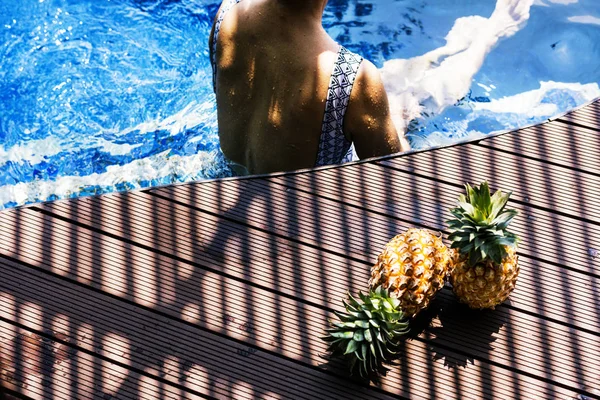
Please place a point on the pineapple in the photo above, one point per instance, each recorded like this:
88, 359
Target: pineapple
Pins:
407, 274
413, 267
484, 260
369, 331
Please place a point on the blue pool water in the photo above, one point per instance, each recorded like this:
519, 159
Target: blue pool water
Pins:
104, 95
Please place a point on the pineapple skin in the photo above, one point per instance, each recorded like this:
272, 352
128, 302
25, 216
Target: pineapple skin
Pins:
413, 267
486, 284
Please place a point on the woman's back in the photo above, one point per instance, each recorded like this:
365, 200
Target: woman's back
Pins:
274, 63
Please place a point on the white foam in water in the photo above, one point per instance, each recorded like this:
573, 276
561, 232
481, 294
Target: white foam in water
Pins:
202, 165
544, 3
585, 19
33, 151
532, 103
114, 148
190, 116
36, 151
430, 83
520, 108
156, 167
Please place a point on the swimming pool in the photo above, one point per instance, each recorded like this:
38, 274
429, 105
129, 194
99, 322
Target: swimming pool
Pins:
104, 95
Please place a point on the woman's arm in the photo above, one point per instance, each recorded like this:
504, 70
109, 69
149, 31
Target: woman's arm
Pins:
368, 121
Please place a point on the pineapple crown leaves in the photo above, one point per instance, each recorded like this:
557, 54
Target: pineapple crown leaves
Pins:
479, 228
368, 331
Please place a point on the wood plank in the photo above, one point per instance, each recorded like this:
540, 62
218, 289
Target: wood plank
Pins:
426, 202
566, 343
235, 251
266, 206
282, 331
41, 368
565, 296
533, 182
161, 347
288, 213
562, 144
67, 303
588, 116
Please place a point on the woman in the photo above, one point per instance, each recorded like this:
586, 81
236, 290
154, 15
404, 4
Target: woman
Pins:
290, 97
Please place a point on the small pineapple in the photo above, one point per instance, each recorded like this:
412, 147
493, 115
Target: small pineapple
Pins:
484, 260
367, 332
408, 273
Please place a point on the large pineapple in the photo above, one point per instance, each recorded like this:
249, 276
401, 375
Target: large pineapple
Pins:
413, 267
407, 274
485, 269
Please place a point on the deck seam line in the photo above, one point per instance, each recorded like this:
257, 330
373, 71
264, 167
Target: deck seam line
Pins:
362, 260
102, 357
307, 371
422, 340
208, 330
556, 264
165, 315
577, 124
423, 223
13, 393
520, 202
171, 256
446, 287
269, 232
304, 243
198, 327
75, 289
386, 166
291, 297
541, 315
553, 163
148, 357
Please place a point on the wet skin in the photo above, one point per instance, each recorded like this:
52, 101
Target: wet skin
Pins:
274, 62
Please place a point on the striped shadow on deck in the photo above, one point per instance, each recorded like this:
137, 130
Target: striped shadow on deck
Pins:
221, 289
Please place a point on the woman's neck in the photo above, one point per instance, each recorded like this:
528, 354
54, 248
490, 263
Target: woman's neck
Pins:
305, 8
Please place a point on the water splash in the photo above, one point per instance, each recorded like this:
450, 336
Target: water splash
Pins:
428, 84
160, 169
476, 118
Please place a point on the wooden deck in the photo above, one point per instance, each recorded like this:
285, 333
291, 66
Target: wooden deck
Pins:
221, 289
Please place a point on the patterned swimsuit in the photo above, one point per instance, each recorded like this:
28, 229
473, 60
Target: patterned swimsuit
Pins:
334, 148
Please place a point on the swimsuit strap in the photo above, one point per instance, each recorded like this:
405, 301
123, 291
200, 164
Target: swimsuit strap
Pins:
334, 148
225, 7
